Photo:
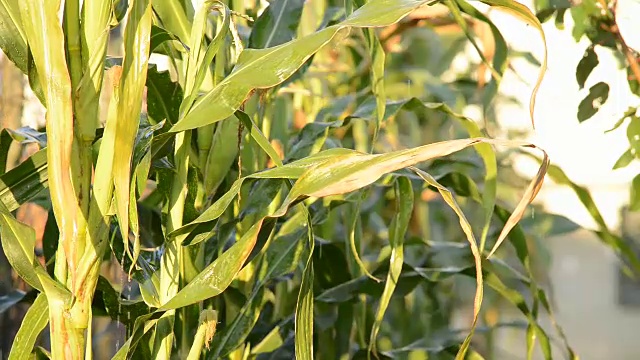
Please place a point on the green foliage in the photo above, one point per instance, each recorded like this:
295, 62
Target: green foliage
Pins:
274, 192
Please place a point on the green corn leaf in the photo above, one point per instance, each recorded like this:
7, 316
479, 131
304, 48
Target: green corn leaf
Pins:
5, 143
277, 24
13, 42
25, 181
47, 43
224, 149
484, 150
272, 341
163, 96
519, 241
282, 256
285, 251
159, 36
235, 333
212, 281
199, 60
259, 137
409, 278
397, 231
466, 227
265, 68
18, 243
35, 320
304, 305
217, 276
119, 309
132, 82
289, 171
172, 15
516, 298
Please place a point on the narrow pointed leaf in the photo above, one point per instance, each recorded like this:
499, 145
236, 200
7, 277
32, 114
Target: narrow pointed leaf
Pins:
265, 68
397, 231
304, 306
35, 320
132, 82
468, 231
173, 16
619, 246
25, 181
523, 13
163, 96
216, 277
18, 244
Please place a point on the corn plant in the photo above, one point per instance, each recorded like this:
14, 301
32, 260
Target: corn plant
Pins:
258, 192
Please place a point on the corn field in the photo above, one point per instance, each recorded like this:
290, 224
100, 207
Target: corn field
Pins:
268, 180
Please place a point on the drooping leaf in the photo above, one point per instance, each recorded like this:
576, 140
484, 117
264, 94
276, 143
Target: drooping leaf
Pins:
292, 170
132, 82
523, 13
265, 68
397, 230
468, 231
620, 247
